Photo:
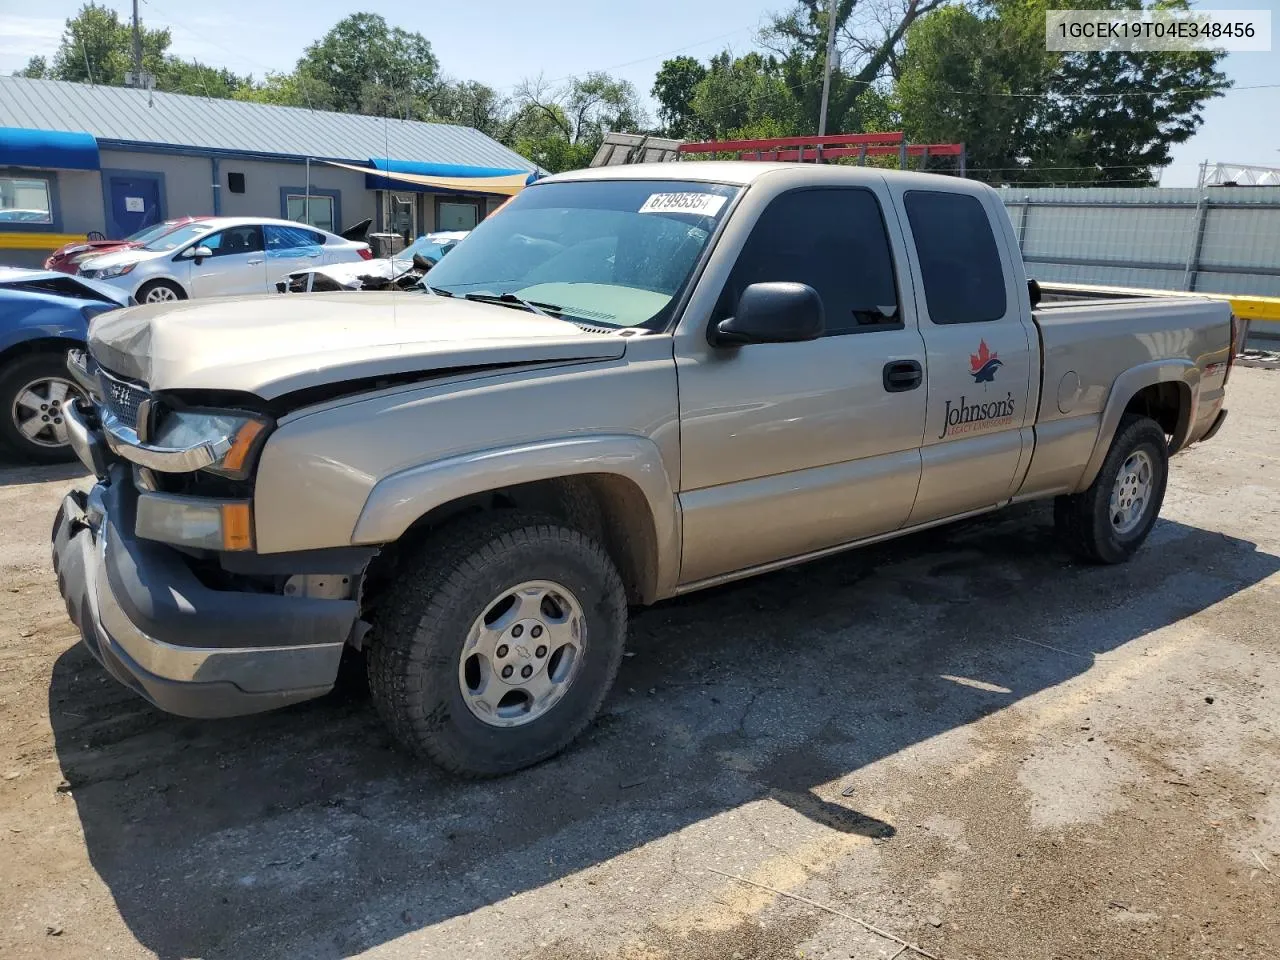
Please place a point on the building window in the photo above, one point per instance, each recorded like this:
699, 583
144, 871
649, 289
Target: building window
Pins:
25, 200
457, 215
314, 210
235, 182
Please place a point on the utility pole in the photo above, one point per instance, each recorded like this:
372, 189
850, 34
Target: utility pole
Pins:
137, 47
826, 79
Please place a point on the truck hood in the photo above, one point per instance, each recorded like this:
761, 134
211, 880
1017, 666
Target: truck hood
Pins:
269, 346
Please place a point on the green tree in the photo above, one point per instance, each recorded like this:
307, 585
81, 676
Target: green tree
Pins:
371, 67
673, 88
869, 35
36, 69
982, 77
561, 128
288, 90
744, 97
471, 104
97, 47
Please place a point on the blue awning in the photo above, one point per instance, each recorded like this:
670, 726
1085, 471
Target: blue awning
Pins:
453, 171
48, 148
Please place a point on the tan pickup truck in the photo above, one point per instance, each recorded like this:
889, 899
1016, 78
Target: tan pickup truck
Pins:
632, 383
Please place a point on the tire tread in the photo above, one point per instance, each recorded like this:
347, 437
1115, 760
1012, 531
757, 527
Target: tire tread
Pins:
437, 578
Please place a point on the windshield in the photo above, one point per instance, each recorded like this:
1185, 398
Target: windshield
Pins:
147, 234
175, 239
433, 248
609, 252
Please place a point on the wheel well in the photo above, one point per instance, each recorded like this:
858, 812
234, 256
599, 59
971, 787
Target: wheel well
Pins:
1168, 404
606, 507
163, 282
38, 345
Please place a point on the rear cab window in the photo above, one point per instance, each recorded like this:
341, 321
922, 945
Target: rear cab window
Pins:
960, 263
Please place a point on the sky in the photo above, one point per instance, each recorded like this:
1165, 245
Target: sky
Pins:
514, 39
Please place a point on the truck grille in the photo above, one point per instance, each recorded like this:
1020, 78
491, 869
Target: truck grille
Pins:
122, 398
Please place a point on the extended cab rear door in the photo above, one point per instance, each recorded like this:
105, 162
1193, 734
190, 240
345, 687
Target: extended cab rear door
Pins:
982, 358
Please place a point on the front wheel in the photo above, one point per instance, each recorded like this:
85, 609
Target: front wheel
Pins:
1109, 521
497, 648
34, 390
160, 291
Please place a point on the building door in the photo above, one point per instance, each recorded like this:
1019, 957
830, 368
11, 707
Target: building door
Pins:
400, 215
134, 201
458, 213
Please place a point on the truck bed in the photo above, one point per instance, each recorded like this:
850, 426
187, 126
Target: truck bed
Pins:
1089, 347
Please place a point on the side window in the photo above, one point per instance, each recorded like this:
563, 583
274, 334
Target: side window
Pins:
959, 259
835, 241
233, 240
290, 239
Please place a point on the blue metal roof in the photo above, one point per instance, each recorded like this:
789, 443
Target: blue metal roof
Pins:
48, 148
124, 116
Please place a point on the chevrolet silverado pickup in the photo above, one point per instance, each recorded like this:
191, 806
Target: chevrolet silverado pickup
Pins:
637, 382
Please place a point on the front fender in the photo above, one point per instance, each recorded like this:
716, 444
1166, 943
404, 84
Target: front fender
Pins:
1125, 388
396, 501
46, 322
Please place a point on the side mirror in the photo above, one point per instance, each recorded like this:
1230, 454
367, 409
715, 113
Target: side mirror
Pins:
422, 263
200, 253
1033, 289
773, 313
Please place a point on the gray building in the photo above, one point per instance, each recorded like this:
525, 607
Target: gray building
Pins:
77, 158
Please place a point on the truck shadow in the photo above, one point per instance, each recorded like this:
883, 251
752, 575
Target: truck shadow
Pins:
304, 834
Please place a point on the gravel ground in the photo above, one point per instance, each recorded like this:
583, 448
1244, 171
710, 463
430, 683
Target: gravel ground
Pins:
962, 739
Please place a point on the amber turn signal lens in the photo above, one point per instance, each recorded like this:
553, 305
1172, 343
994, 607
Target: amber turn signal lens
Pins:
235, 458
237, 527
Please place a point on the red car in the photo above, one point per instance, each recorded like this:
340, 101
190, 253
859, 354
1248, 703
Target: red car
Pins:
66, 258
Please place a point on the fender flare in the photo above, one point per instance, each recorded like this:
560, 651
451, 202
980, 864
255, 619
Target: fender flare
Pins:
399, 499
1124, 389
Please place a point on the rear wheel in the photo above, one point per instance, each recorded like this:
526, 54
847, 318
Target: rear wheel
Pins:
34, 391
1109, 521
497, 648
160, 291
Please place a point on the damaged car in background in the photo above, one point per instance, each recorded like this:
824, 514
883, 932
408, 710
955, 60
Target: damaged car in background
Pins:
399, 272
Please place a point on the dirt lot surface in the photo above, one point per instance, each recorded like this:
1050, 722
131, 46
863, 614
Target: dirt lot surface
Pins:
961, 738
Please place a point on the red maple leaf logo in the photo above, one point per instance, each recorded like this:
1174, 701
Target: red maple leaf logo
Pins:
980, 359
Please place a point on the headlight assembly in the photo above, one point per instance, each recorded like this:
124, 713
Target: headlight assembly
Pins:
119, 270
233, 439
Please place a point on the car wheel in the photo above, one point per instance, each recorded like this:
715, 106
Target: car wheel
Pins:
160, 291
497, 648
1109, 521
34, 389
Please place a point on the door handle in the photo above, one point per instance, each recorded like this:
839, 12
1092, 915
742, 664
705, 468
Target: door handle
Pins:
312, 256
253, 262
902, 375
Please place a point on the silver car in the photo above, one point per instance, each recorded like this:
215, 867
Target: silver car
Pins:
219, 256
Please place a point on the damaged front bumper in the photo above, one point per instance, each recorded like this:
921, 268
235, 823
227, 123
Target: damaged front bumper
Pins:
188, 648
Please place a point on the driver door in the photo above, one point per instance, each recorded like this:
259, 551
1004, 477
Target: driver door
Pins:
787, 449
238, 264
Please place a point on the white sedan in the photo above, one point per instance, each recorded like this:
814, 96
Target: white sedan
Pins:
400, 269
219, 256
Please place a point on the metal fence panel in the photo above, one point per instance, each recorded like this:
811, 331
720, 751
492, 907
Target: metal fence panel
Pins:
1215, 240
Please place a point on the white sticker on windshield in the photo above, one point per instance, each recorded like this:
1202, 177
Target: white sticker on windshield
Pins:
703, 204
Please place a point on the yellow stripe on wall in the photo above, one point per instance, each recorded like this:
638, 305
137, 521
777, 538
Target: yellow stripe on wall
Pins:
37, 241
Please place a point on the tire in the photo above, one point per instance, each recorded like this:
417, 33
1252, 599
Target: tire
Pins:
1086, 520
34, 387
422, 661
160, 291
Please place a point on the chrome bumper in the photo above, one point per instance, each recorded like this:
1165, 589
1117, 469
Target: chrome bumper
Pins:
186, 648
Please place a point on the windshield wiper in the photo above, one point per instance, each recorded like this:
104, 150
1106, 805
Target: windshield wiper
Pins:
510, 299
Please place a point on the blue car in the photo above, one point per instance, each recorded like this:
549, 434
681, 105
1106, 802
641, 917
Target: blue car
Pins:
43, 314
